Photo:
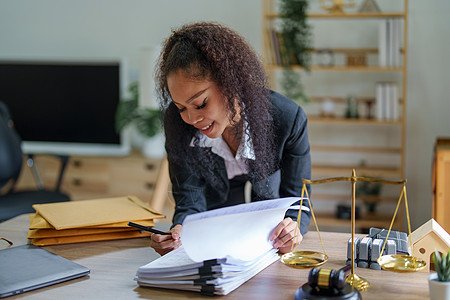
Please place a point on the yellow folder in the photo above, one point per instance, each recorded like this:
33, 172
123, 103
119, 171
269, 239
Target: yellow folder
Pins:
48, 233
89, 238
76, 214
38, 222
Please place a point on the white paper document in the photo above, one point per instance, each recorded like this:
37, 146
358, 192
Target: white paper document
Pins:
221, 249
221, 280
240, 232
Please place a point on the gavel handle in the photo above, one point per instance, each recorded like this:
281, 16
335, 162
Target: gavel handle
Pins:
346, 269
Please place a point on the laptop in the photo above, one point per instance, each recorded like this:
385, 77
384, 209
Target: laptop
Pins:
25, 268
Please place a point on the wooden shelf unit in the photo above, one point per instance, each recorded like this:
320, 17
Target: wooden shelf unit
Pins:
339, 68
359, 121
320, 170
347, 15
335, 148
378, 171
359, 198
329, 222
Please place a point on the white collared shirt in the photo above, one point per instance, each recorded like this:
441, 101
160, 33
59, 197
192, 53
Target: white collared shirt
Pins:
235, 165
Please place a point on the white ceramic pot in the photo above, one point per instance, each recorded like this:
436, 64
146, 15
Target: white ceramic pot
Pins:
154, 147
438, 290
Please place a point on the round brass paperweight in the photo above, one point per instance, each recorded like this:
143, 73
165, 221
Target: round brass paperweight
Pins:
304, 259
401, 263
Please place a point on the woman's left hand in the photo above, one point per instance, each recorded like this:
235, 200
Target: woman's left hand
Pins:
283, 235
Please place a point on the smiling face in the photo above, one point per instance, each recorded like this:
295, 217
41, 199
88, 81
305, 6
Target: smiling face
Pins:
200, 103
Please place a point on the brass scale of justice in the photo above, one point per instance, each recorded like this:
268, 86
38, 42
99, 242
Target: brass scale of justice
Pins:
312, 259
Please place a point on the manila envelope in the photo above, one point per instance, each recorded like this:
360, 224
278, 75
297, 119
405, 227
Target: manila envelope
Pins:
38, 222
49, 233
76, 214
89, 238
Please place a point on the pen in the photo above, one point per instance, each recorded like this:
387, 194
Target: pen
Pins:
148, 228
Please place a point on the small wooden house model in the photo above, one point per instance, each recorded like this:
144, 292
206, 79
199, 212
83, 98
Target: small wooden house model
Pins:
427, 238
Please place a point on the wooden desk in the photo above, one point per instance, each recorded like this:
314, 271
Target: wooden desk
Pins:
113, 265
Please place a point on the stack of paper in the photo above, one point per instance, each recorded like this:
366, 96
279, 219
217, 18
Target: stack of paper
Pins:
176, 270
89, 220
221, 249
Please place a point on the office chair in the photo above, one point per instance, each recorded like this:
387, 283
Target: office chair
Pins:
14, 203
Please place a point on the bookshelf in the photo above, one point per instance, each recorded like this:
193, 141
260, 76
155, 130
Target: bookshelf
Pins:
372, 144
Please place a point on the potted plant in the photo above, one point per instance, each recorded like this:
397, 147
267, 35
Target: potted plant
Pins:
296, 40
439, 282
146, 121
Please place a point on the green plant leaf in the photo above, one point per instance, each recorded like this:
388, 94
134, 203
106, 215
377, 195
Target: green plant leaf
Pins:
125, 114
147, 121
436, 261
297, 36
292, 86
446, 267
295, 40
442, 265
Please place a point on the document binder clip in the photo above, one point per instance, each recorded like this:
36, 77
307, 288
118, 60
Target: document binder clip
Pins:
206, 270
207, 290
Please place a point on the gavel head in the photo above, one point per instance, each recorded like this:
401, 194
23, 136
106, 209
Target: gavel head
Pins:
327, 279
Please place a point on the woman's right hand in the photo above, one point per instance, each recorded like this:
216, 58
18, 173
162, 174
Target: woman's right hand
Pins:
163, 244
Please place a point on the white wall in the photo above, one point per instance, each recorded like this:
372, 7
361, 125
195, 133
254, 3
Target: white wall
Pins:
112, 28
119, 28
428, 109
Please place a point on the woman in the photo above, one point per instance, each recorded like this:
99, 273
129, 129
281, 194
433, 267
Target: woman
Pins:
224, 127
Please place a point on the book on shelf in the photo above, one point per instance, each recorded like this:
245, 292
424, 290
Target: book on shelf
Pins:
389, 43
221, 249
397, 34
269, 55
382, 44
386, 99
393, 101
276, 46
277, 53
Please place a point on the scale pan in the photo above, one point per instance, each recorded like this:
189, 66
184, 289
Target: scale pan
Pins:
304, 259
401, 263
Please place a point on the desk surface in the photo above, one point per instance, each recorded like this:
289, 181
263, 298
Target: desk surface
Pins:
113, 265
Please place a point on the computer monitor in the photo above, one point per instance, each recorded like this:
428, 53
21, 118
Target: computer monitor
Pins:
65, 106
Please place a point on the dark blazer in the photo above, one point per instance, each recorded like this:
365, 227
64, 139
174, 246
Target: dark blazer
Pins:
192, 195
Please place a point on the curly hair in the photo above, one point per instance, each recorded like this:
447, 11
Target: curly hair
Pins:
214, 52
